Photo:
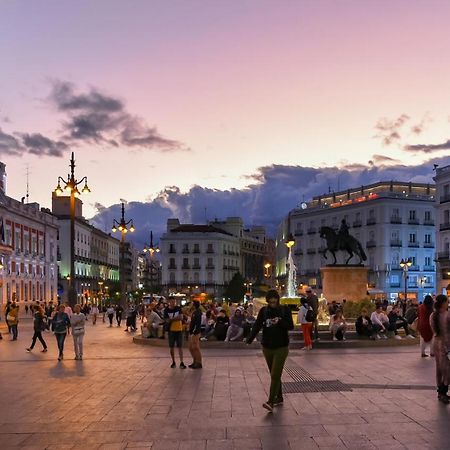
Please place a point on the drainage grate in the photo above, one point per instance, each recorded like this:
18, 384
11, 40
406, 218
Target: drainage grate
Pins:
298, 373
299, 387
417, 387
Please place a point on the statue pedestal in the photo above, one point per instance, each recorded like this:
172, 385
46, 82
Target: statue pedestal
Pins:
349, 282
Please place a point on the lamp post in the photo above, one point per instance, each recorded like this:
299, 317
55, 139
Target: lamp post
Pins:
151, 250
71, 187
267, 274
292, 270
405, 264
124, 227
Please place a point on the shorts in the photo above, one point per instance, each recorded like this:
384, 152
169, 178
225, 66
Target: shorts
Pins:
175, 338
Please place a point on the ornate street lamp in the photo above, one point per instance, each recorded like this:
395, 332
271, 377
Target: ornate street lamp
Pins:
70, 186
405, 264
151, 250
124, 227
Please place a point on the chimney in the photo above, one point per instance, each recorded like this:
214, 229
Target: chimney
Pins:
3, 177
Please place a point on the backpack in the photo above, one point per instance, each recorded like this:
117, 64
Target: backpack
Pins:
310, 316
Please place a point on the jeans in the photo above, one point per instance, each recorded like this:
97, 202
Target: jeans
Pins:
275, 358
14, 331
60, 338
78, 344
315, 329
400, 323
118, 319
38, 335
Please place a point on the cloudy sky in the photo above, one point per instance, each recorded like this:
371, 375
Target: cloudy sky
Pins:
240, 107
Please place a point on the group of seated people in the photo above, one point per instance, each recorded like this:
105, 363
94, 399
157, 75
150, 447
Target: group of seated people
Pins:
386, 319
222, 323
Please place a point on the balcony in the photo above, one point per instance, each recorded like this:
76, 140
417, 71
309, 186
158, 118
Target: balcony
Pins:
185, 251
395, 285
185, 266
196, 250
413, 221
371, 221
443, 255
414, 269
210, 250
444, 198
429, 268
428, 245
413, 244
429, 222
210, 266
298, 252
172, 267
311, 231
444, 226
311, 251
172, 251
357, 223
371, 244
196, 267
396, 243
396, 219
321, 250
298, 233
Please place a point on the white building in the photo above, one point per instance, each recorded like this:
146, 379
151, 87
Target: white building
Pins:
443, 231
28, 248
392, 220
96, 253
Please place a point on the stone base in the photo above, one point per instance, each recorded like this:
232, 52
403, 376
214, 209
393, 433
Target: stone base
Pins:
349, 282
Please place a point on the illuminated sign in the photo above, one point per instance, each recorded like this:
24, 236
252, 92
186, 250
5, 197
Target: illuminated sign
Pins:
355, 200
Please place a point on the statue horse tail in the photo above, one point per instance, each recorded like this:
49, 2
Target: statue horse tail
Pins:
362, 252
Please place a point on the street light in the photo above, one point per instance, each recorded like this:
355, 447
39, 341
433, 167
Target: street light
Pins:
151, 249
405, 264
124, 227
71, 187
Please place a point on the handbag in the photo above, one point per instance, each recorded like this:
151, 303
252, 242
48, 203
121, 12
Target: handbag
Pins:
414, 325
10, 318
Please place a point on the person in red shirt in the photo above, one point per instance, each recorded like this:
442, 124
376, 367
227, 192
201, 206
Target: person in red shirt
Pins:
423, 325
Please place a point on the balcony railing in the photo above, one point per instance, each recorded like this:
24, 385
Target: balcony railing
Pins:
357, 223
185, 251
413, 244
298, 252
210, 266
443, 255
396, 243
196, 250
311, 251
172, 267
444, 226
429, 268
444, 198
414, 268
413, 221
396, 219
428, 244
429, 222
185, 266
210, 250
371, 244
311, 231
371, 221
172, 251
395, 285
196, 267
298, 233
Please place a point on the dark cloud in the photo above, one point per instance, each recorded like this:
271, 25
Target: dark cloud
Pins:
273, 192
427, 148
10, 145
40, 145
94, 117
388, 130
383, 159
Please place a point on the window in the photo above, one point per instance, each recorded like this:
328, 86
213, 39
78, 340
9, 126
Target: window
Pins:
196, 248
371, 213
172, 248
413, 259
395, 212
427, 215
395, 280
210, 248
395, 259
210, 262
412, 237
427, 260
412, 214
428, 239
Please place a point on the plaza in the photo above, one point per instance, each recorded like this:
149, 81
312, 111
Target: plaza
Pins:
124, 395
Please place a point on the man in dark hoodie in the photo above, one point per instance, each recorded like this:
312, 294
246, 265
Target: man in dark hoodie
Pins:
275, 321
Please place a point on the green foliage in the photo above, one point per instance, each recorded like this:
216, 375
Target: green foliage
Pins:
353, 309
236, 290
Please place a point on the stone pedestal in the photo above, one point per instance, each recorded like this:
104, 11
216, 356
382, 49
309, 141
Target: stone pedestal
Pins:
349, 282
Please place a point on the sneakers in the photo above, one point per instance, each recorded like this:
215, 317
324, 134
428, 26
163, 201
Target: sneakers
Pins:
410, 336
203, 339
195, 366
398, 337
444, 398
268, 406
278, 402
182, 365
384, 336
44, 350
173, 365
335, 338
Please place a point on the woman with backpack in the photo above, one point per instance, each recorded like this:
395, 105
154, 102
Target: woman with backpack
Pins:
305, 318
276, 322
39, 325
60, 327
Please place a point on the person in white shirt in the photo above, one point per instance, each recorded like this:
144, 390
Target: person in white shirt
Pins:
380, 321
305, 324
77, 322
110, 314
154, 321
94, 312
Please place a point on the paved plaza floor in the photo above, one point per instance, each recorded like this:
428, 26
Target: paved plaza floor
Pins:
124, 395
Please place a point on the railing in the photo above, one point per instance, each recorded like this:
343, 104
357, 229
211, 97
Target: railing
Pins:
413, 244
413, 221
210, 250
444, 198
172, 267
298, 233
443, 255
414, 268
196, 267
371, 221
357, 223
371, 244
396, 243
429, 268
395, 285
444, 226
210, 266
429, 222
196, 250
311, 231
396, 219
311, 251
172, 251
428, 244
186, 266
298, 252
185, 251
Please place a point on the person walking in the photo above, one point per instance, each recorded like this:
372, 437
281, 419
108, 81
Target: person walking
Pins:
276, 322
305, 318
440, 324
77, 322
13, 320
110, 314
39, 325
119, 312
195, 330
60, 327
424, 327
7, 309
173, 317
313, 302
95, 313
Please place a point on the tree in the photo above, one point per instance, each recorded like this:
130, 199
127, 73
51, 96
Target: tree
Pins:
236, 290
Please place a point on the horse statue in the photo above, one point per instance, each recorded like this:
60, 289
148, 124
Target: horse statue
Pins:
343, 242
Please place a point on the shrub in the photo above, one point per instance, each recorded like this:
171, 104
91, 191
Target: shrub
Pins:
353, 309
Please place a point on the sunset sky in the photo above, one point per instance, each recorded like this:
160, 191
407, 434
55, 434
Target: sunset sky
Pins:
151, 94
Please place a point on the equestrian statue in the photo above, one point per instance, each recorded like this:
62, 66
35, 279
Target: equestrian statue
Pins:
342, 241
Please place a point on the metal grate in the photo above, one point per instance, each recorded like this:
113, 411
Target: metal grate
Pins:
298, 387
297, 373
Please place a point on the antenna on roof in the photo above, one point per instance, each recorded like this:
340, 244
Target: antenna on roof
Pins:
28, 182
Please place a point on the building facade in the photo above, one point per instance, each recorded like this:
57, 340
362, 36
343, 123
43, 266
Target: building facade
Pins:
442, 180
96, 253
28, 249
392, 220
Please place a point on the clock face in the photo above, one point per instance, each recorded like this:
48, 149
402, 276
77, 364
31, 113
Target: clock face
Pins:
304, 205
